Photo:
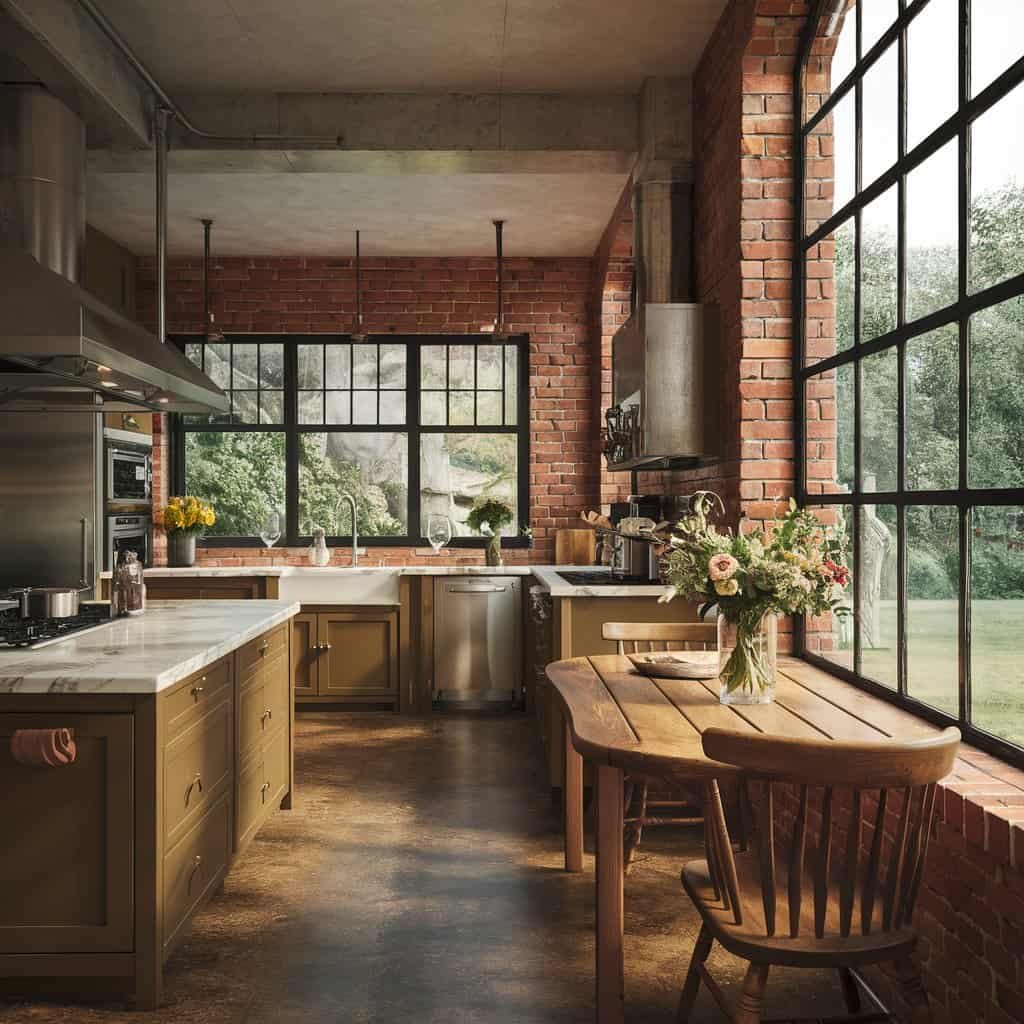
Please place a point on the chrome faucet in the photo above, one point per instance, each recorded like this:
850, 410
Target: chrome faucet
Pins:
355, 523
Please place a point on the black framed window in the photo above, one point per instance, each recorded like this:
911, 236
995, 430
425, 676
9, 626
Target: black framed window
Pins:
408, 425
909, 276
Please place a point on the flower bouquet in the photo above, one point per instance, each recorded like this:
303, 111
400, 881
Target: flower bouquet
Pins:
183, 519
751, 578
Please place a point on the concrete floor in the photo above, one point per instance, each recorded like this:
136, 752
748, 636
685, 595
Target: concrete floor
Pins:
419, 879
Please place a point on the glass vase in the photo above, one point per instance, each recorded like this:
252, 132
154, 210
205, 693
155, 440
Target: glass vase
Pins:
747, 655
493, 551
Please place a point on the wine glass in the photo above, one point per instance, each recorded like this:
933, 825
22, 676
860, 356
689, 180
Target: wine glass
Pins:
439, 531
271, 532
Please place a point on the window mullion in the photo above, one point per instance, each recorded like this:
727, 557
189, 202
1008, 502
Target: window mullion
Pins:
291, 444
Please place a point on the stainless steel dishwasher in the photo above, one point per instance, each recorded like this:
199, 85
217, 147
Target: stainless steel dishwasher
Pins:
478, 648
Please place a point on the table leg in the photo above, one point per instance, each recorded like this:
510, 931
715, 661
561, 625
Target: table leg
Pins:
610, 995
572, 804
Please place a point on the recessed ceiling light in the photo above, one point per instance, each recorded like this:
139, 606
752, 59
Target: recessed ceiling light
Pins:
109, 384
102, 368
163, 401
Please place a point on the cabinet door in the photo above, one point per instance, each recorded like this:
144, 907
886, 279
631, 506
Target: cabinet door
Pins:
66, 852
305, 666
359, 654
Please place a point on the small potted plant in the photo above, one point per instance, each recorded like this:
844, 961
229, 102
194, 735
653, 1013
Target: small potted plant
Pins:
490, 514
183, 519
797, 568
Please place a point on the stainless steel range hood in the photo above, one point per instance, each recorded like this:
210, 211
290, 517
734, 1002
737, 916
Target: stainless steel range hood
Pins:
55, 338
666, 376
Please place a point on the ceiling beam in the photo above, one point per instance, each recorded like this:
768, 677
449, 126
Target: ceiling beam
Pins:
63, 48
402, 133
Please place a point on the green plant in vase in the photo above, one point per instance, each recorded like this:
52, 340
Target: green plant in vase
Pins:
490, 515
797, 568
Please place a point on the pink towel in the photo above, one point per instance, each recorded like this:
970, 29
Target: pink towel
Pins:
41, 748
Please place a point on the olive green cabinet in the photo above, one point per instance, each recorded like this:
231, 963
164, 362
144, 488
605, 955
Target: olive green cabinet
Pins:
347, 656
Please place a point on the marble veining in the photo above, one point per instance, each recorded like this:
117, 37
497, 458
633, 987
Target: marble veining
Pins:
147, 654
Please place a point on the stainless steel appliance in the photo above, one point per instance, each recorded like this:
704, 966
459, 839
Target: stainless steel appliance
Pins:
31, 633
601, 579
50, 500
129, 476
129, 533
48, 602
477, 637
61, 344
666, 374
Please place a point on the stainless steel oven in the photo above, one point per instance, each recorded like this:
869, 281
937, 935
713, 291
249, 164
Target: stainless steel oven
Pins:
128, 533
129, 476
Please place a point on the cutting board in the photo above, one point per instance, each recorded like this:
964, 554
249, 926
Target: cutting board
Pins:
575, 547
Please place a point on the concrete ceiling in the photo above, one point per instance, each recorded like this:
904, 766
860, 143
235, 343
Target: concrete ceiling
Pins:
399, 215
414, 45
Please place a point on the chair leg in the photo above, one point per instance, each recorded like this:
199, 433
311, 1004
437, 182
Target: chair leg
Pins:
748, 1008
692, 984
636, 808
851, 993
913, 992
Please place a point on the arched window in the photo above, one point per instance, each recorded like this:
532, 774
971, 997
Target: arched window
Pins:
910, 284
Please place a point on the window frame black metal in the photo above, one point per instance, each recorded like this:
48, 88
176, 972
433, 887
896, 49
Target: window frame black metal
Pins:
412, 427
963, 498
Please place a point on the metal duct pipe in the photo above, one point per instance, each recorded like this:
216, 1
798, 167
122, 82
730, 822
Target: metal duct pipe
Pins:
212, 334
161, 224
183, 119
42, 179
499, 231
663, 241
358, 334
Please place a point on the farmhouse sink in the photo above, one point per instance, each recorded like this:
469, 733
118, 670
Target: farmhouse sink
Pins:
339, 586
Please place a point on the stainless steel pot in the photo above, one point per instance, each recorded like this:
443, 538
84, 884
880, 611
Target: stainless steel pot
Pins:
49, 602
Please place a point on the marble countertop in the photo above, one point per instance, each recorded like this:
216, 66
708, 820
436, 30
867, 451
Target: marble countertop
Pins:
146, 654
546, 575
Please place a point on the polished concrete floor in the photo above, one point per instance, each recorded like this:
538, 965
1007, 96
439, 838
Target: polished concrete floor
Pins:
419, 879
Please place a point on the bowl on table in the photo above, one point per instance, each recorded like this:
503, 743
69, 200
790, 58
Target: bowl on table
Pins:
676, 664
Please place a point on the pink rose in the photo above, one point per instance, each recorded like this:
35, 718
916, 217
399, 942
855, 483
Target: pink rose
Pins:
722, 567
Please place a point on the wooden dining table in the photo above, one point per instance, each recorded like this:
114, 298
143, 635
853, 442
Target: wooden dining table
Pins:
626, 723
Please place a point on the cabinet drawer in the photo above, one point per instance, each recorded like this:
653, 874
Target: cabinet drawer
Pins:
193, 698
195, 866
196, 766
262, 784
263, 649
262, 704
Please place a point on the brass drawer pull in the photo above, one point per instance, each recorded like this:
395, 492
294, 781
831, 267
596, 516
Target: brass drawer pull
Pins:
196, 783
267, 715
264, 789
264, 647
196, 864
198, 688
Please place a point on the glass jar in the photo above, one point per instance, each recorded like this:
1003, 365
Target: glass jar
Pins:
127, 587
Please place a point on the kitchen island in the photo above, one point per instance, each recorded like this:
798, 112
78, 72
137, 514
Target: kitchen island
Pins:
182, 721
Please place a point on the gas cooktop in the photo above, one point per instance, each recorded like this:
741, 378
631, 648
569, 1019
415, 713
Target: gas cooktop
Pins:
33, 633
602, 579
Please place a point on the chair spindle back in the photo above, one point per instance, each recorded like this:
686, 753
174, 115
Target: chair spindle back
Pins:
815, 808
661, 636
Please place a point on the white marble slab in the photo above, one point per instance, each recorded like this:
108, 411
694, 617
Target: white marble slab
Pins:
146, 654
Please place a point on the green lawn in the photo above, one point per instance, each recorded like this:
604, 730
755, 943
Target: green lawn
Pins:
997, 660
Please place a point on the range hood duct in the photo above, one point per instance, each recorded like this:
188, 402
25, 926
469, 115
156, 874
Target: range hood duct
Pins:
61, 347
665, 368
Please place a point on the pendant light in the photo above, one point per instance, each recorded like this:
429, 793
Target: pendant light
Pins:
213, 333
498, 327
358, 335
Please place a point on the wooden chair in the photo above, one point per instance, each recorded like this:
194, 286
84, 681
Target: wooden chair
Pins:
635, 638
808, 896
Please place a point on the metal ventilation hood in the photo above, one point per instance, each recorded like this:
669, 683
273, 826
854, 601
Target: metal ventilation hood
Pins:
56, 339
666, 375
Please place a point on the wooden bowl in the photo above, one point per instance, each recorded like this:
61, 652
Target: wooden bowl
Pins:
676, 664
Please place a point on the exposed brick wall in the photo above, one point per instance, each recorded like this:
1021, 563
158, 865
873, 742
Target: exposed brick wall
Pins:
546, 298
